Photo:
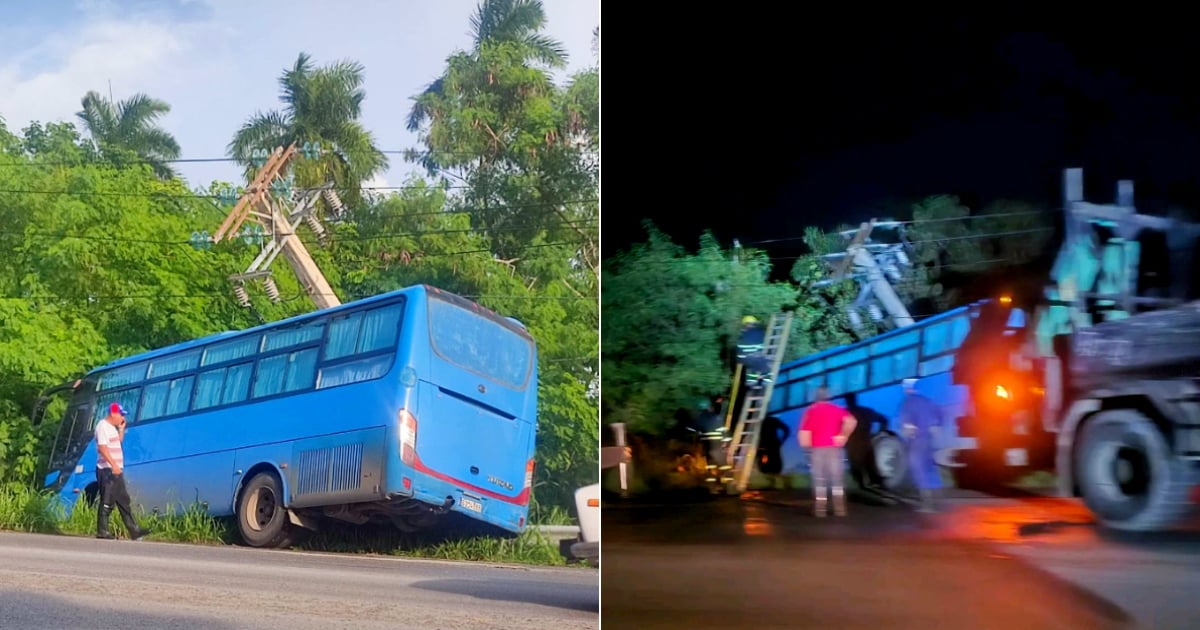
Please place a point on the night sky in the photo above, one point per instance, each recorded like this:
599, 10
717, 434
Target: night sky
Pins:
759, 124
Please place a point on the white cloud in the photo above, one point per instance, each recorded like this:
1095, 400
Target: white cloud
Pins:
216, 62
128, 54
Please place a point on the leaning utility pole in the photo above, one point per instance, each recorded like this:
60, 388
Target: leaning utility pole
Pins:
258, 204
859, 253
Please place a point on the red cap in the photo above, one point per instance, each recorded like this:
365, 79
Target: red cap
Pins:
116, 408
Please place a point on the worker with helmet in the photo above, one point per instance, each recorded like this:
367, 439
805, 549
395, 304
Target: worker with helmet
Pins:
712, 433
751, 352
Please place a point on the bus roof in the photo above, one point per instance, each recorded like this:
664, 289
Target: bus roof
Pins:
928, 321
296, 319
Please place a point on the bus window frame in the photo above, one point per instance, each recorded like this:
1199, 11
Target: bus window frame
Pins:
323, 319
487, 316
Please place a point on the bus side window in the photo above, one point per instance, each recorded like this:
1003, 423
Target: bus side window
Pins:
288, 372
223, 386
363, 333
934, 339
881, 371
961, 326
905, 363
343, 336
795, 394
380, 329
836, 382
129, 398
856, 377
166, 398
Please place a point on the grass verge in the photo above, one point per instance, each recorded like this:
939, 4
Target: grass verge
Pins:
25, 510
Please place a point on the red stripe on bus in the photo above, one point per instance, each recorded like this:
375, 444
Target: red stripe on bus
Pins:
520, 499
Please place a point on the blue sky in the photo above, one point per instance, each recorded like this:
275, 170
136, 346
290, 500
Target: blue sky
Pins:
218, 61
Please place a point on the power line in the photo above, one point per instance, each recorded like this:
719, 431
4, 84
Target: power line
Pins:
694, 260
83, 161
911, 222
195, 195
372, 237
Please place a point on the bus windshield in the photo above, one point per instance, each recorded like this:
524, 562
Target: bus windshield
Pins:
479, 344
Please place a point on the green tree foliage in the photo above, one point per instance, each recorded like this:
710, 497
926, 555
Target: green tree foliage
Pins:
525, 149
670, 318
98, 266
952, 245
130, 127
321, 105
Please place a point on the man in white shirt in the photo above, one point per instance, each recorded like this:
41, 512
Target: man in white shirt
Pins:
110, 473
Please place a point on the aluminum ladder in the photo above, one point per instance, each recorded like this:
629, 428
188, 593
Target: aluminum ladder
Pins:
754, 408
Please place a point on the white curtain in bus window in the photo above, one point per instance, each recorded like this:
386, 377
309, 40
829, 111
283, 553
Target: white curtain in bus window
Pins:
223, 386
123, 376
166, 398
293, 336
231, 350
128, 398
286, 373
174, 365
362, 333
478, 344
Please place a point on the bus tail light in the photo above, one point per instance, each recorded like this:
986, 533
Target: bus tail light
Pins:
529, 466
408, 438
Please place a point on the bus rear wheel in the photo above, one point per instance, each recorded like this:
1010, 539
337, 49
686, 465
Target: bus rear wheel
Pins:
891, 459
261, 516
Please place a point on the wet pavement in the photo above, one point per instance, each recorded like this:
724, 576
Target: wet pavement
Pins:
762, 560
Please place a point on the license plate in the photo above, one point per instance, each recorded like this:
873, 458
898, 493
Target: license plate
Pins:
471, 504
1016, 457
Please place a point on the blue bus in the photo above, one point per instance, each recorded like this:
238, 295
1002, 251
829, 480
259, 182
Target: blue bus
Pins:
397, 408
866, 378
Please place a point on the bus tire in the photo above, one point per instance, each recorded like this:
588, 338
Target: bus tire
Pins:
1128, 476
891, 459
261, 516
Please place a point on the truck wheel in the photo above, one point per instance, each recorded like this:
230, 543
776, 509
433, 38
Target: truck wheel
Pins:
891, 459
1127, 474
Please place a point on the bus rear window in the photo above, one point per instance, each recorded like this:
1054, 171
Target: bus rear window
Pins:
474, 342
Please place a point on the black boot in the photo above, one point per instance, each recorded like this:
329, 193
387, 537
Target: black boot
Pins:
102, 522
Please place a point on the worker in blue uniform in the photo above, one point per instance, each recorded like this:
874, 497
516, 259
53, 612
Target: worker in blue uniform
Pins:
921, 419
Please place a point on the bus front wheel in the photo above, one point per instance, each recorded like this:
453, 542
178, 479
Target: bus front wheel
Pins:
262, 517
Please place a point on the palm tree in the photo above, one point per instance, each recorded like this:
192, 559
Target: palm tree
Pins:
503, 21
131, 125
320, 105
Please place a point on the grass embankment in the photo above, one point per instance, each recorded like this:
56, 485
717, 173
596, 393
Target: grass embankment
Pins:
25, 510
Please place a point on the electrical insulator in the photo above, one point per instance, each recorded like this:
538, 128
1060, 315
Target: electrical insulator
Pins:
855, 318
271, 289
243, 298
893, 272
334, 202
902, 258
876, 314
314, 224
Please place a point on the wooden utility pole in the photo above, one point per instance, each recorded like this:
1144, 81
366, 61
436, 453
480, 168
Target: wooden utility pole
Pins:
257, 202
858, 254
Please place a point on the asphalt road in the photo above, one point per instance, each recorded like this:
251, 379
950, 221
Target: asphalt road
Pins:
60, 583
762, 560
1155, 578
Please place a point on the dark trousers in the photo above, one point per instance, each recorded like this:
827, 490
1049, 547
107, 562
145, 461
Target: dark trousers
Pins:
113, 491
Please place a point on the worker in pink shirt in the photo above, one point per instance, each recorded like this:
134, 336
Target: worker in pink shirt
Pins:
824, 430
